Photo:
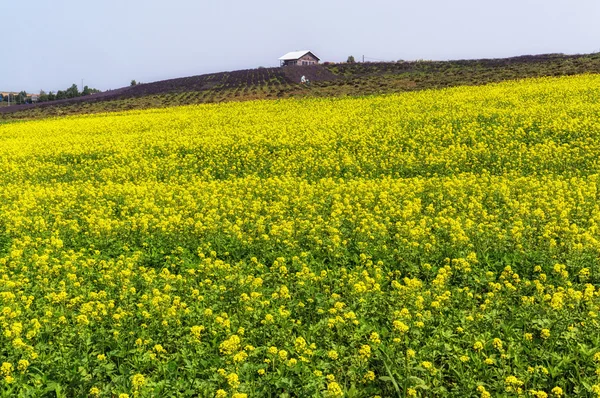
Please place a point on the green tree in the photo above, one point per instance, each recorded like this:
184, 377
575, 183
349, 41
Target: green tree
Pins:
72, 92
43, 96
351, 59
133, 83
22, 97
86, 91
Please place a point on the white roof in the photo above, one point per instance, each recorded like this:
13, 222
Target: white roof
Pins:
294, 55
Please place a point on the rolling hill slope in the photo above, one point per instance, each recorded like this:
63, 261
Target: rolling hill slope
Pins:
326, 80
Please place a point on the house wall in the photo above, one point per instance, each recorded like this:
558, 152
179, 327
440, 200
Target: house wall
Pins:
306, 59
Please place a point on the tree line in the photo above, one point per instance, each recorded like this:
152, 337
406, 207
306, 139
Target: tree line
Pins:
71, 92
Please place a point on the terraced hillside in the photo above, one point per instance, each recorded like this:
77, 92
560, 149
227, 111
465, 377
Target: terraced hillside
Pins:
328, 80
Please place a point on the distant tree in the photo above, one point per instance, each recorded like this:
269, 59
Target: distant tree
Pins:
86, 91
22, 97
43, 96
72, 92
51, 96
351, 59
133, 83
61, 95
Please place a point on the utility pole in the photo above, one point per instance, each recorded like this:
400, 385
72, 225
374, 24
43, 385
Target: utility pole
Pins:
363, 59
82, 85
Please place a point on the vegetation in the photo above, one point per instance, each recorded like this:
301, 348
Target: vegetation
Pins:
432, 244
331, 80
71, 93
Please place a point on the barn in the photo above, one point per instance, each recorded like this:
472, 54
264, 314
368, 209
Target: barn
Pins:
299, 58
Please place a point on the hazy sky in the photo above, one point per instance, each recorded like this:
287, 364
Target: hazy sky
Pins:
51, 44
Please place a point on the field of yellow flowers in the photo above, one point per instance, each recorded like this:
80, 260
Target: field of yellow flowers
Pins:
433, 244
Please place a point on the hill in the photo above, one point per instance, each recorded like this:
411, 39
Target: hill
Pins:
326, 80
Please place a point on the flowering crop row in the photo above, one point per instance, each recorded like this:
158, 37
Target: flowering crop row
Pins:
440, 243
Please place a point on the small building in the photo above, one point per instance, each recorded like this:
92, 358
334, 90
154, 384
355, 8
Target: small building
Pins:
299, 58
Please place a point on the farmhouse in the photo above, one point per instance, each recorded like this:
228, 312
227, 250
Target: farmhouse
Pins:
299, 58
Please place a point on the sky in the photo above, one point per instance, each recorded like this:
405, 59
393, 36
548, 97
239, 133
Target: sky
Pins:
51, 44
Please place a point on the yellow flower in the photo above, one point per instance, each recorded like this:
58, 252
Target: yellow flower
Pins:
196, 331
22, 365
233, 380
269, 318
512, 384
94, 391
400, 326
282, 354
334, 389
138, 380
230, 345
240, 357
545, 333
483, 393
539, 394
497, 343
369, 376
557, 391
221, 394
374, 337
333, 354
300, 344
478, 346
365, 351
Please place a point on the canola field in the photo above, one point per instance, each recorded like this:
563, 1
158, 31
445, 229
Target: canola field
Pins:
432, 244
